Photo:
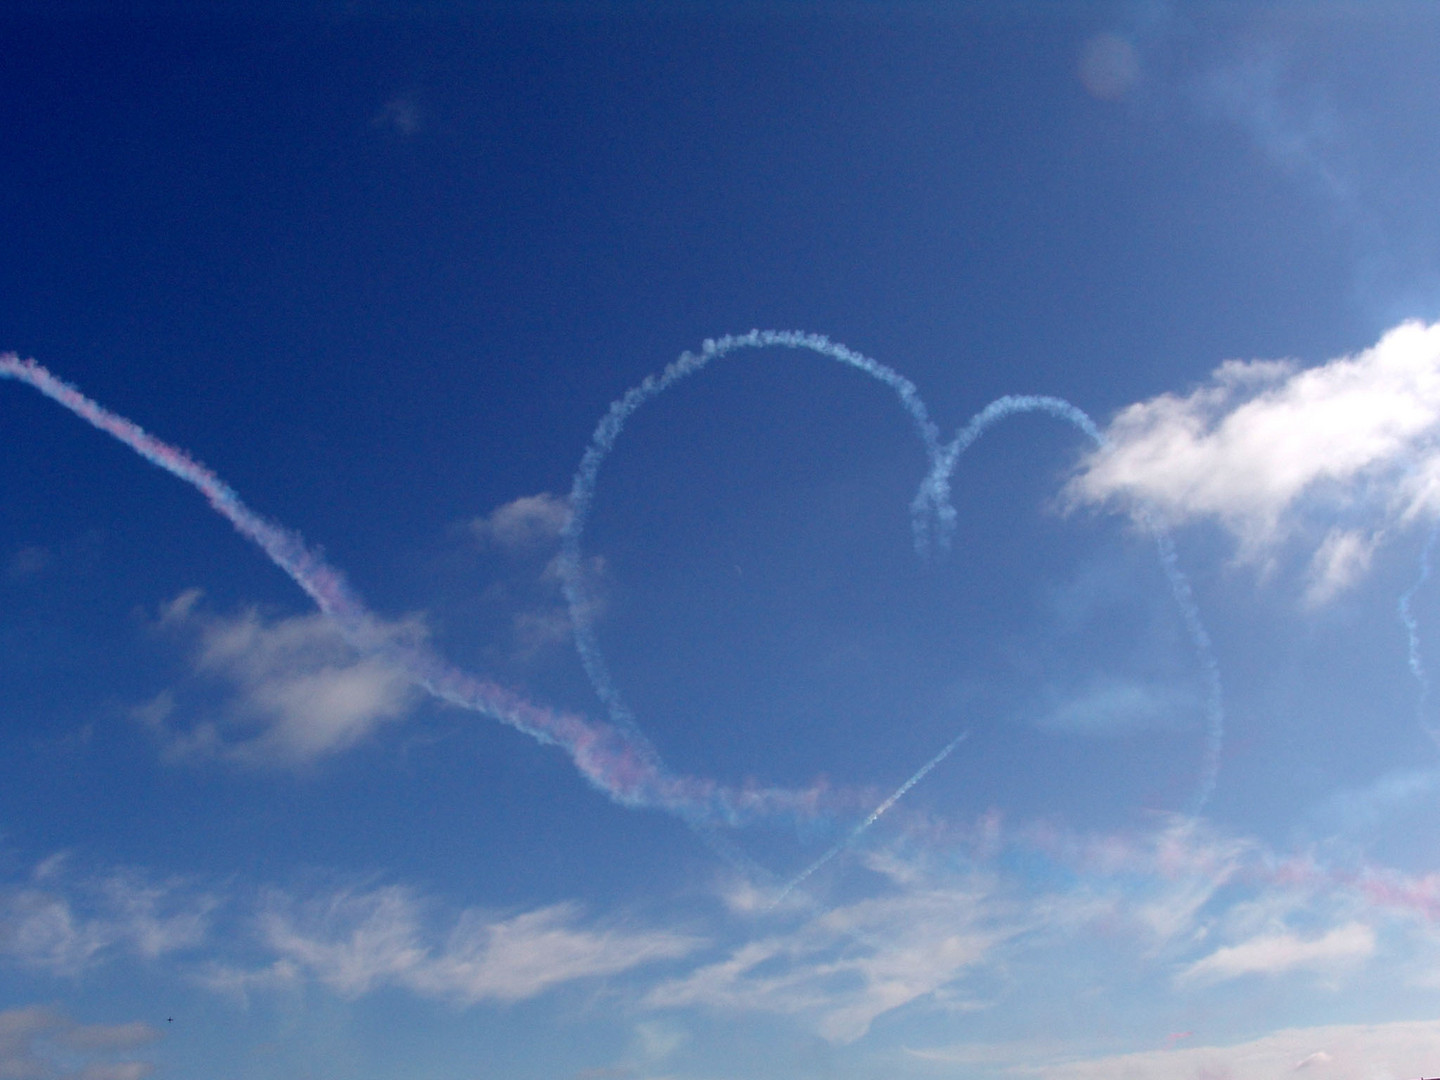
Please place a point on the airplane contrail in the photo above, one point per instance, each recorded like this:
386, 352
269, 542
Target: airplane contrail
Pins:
875, 815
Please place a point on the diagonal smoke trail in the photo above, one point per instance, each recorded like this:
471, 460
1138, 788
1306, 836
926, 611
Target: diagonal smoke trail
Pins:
622, 766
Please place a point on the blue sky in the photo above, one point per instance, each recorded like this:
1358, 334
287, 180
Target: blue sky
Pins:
356, 806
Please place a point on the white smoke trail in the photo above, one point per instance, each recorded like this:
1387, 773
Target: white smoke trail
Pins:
616, 759
623, 767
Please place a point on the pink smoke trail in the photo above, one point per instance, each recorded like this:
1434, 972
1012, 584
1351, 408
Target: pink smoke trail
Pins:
622, 765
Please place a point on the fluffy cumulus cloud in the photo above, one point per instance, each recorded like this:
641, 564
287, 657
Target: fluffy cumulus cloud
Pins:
1345, 450
354, 942
296, 690
529, 582
41, 1043
525, 524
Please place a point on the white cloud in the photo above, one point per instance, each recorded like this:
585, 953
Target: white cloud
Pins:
1399, 1051
525, 524
356, 942
28, 562
526, 530
1106, 706
401, 113
66, 932
1275, 953
1109, 67
298, 690
850, 965
39, 1043
240, 983
1342, 559
1264, 445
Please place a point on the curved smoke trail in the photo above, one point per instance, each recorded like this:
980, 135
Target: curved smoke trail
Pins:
582, 491
934, 495
933, 515
1412, 632
616, 762
615, 758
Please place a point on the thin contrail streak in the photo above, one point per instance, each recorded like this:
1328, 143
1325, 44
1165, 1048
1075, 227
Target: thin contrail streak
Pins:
875, 815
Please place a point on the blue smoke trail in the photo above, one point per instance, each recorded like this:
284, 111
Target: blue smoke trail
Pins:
935, 493
933, 519
1412, 631
582, 491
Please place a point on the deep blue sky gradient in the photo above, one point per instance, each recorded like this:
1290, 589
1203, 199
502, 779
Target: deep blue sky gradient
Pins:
384, 272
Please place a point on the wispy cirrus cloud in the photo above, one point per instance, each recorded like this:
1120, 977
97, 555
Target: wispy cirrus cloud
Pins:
401, 114
1277, 953
1347, 449
1339, 1052
28, 562
842, 969
1180, 906
355, 942
42, 1043
1108, 706
526, 531
66, 926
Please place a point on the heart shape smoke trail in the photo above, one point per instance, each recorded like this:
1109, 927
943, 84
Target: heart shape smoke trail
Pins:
933, 518
616, 758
